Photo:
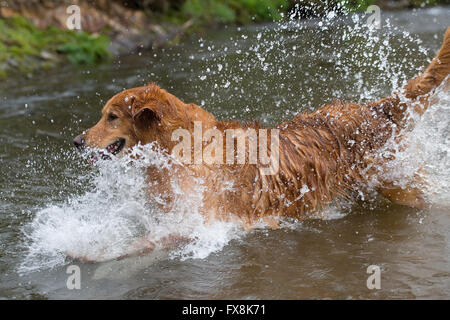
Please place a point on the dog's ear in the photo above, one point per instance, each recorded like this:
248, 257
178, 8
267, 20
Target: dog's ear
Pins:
146, 115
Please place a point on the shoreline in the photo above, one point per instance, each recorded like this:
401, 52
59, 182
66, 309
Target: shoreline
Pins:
34, 35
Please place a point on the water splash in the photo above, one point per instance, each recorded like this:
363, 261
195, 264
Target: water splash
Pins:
370, 63
103, 223
115, 211
421, 158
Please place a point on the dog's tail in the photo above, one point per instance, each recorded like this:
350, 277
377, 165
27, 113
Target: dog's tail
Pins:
417, 89
432, 77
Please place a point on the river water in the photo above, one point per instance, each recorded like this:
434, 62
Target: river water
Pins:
52, 202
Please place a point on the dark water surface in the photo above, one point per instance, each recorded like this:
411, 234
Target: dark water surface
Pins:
265, 73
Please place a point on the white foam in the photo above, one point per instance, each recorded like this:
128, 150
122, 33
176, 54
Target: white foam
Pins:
425, 150
103, 223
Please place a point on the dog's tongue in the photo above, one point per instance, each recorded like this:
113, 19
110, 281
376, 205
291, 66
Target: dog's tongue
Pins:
113, 146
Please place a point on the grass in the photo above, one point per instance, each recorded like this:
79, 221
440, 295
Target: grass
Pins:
24, 46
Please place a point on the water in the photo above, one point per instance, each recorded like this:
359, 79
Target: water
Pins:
52, 202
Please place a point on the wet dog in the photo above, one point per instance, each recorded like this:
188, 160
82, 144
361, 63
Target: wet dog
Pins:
323, 155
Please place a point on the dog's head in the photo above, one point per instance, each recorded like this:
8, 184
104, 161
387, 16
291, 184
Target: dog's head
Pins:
141, 115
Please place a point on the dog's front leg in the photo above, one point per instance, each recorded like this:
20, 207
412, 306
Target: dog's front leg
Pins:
412, 195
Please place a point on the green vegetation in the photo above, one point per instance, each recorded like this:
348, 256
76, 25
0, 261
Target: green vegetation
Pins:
358, 5
209, 12
26, 47
83, 48
234, 11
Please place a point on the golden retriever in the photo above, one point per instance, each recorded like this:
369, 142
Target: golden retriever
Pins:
322, 155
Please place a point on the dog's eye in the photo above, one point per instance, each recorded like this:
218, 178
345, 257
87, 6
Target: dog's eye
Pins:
112, 117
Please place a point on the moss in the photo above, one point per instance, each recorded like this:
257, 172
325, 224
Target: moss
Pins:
22, 46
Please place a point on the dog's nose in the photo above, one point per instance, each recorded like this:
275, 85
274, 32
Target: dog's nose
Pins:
78, 142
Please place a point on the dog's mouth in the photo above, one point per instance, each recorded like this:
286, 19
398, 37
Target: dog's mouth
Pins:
115, 147
111, 149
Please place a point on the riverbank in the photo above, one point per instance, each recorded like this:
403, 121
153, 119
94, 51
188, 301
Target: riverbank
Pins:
34, 35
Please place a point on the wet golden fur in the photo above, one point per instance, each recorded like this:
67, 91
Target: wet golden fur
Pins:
330, 150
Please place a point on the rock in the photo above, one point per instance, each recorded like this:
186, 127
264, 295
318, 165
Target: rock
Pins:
13, 63
49, 56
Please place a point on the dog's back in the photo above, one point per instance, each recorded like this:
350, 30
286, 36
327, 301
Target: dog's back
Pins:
329, 153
